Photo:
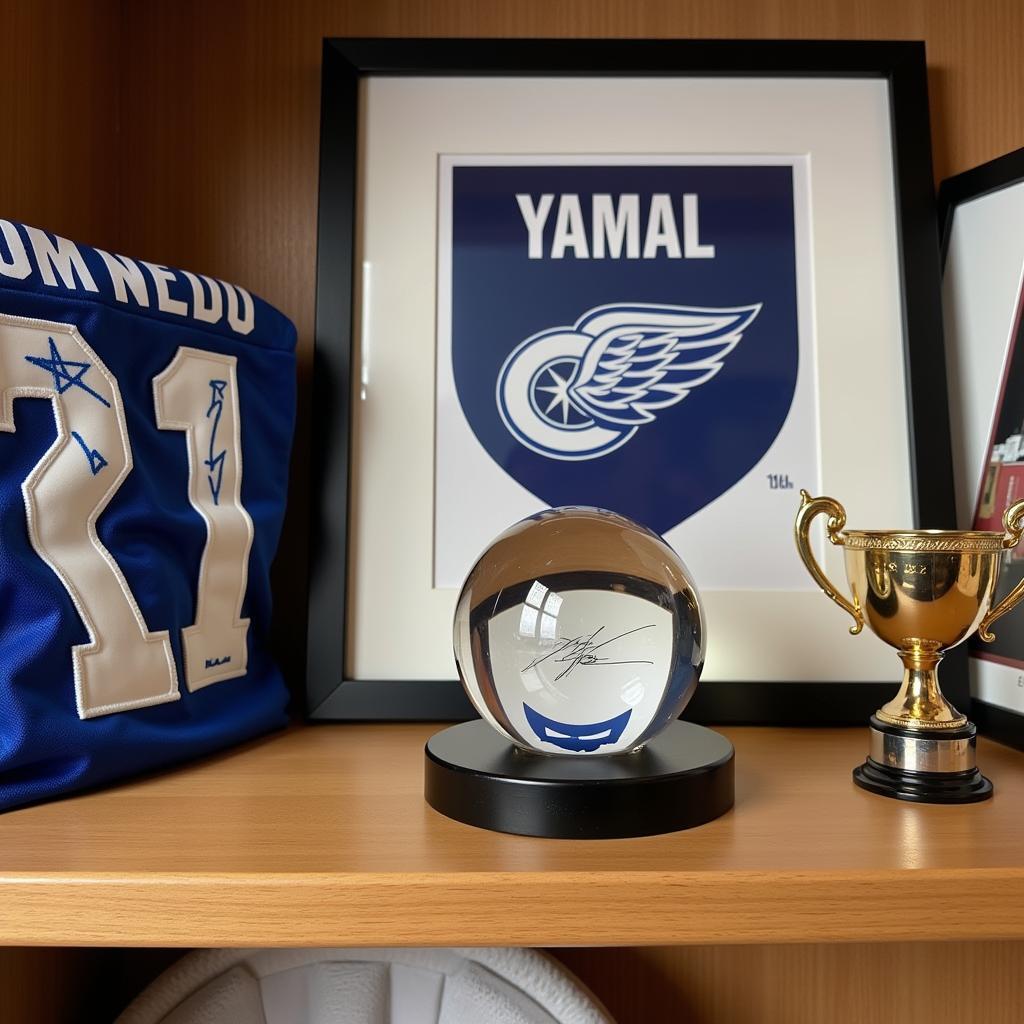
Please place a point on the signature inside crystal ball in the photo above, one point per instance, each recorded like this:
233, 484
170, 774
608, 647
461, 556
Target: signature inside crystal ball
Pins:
579, 632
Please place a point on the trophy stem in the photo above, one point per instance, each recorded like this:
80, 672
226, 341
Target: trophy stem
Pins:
920, 703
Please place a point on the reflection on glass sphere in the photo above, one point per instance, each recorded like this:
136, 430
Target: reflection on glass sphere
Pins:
579, 632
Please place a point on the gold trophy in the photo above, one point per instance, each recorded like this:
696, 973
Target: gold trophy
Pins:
922, 592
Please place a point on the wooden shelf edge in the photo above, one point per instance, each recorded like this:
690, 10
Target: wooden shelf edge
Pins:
510, 908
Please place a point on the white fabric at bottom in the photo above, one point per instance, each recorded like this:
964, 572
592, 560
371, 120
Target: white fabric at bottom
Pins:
234, 995
366, 986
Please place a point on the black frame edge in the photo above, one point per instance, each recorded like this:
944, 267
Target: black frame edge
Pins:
992, 176
931, 441
330, 461
718, 703
999, 724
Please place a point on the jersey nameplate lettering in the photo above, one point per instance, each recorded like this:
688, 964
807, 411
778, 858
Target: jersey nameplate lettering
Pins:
61, 264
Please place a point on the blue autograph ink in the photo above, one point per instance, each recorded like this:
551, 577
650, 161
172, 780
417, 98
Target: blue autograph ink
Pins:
63, 377
96, 461
215, 462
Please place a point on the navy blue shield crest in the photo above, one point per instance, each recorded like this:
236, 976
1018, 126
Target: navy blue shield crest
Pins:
624, 335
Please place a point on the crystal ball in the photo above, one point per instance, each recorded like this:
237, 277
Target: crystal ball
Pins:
578, 632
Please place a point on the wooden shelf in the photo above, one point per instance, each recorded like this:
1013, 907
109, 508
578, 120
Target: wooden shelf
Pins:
320, 836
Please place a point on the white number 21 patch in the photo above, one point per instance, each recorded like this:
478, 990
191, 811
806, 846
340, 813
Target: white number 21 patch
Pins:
125, 665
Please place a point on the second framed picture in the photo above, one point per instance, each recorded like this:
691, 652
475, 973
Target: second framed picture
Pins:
982, 214
681, 281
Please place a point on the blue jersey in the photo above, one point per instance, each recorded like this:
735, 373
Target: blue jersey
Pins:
145, 422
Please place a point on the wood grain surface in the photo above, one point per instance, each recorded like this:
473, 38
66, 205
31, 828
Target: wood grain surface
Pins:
879, 983
60, 79
320, 836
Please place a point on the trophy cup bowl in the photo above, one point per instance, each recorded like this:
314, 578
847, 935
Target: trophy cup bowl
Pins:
922, 592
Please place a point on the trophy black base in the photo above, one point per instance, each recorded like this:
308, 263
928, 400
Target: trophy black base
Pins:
682, 778
923, 767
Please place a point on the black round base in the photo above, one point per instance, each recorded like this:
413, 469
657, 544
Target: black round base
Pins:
682, 778
923, 787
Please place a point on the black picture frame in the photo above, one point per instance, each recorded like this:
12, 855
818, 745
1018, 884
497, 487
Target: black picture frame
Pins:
329, 695
992, 176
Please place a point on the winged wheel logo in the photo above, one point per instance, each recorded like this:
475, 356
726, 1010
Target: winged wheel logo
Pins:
581, 392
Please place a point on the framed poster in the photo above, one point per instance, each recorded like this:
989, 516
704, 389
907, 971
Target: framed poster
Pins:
982, 213
681, 280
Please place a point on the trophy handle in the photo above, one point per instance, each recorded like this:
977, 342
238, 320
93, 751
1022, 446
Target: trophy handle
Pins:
1013, 524
810, 508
